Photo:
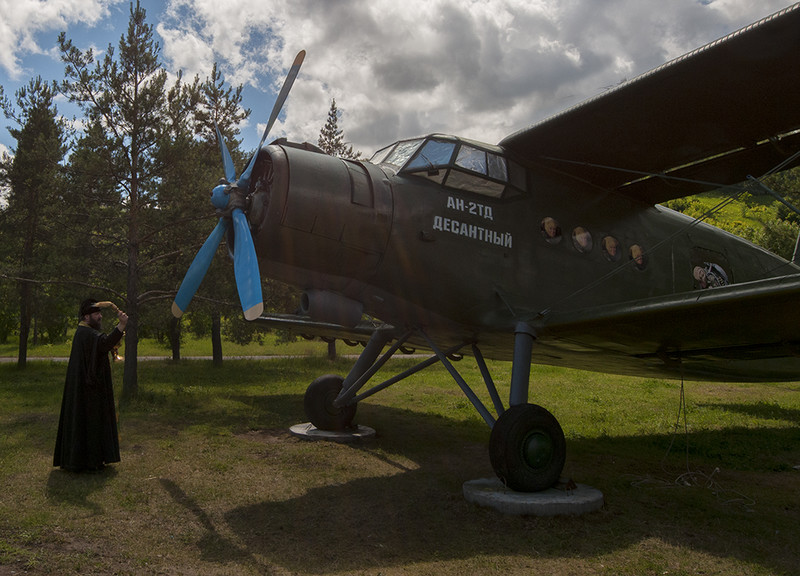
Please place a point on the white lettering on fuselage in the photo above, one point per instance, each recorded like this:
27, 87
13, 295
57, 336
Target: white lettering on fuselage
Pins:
461, 205
473, 231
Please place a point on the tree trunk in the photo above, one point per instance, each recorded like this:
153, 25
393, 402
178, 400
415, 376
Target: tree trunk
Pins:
175, 337
332, 350
130, 374
24, 323
216, 339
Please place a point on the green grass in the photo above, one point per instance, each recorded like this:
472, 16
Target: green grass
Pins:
190, 346
211, 482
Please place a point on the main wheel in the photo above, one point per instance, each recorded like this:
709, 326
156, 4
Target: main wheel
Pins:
527, 448
318, 404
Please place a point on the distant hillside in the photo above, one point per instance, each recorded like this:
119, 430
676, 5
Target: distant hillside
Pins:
761, 219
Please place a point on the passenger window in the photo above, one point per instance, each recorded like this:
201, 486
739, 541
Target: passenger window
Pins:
710, 275
638, 256
710, 269
551, 230
582, 240
611, 248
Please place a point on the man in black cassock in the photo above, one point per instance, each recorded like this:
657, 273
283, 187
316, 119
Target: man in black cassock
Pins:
87, 429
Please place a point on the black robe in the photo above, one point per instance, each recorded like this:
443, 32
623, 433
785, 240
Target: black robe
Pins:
87, 428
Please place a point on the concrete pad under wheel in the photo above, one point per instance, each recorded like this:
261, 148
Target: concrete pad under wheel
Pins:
491, 493
311, 432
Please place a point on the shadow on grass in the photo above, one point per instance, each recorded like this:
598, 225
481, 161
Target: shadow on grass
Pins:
214, 546
411, 518
411, 509
77, 489
418, 514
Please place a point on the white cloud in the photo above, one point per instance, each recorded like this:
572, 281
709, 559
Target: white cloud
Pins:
477, 68
187, 52
22, 20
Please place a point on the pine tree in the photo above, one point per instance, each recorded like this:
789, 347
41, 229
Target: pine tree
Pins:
125, 100
33, 176
331, 137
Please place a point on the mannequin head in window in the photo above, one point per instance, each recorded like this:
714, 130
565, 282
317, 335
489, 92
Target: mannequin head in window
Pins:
611, 248
551, 230
638, 257
710, 275
582, 240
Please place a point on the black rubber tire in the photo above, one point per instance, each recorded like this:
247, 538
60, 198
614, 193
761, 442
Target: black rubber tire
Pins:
318, 404
527, 448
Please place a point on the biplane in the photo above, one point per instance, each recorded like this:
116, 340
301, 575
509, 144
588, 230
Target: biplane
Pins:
549, 247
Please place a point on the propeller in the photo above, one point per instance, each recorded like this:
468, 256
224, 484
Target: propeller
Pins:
229, 198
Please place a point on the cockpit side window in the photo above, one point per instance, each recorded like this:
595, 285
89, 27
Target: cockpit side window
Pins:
479, 171
482, 162
435, 154
497, 166
472, 159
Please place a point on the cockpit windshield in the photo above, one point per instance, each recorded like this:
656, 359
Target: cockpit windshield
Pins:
456, 163
397, 154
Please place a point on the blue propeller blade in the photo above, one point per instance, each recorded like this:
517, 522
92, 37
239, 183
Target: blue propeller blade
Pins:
245, 267
227, 161
245, 262
198, 269
244, 179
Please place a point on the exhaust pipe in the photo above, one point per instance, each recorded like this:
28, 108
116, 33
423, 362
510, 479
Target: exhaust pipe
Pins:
323, 306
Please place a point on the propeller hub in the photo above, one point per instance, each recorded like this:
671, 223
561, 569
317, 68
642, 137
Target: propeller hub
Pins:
227, 197
220, 196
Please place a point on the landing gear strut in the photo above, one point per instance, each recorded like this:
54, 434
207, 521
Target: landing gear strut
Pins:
526, 447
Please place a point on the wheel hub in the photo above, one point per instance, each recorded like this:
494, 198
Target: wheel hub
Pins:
537, 449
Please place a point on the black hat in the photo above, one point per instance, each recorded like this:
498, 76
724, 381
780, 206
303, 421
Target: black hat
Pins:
88, 306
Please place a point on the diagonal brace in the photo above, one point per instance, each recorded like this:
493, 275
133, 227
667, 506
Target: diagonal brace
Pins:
471, 396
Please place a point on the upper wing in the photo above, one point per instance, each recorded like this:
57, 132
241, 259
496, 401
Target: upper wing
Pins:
716, 115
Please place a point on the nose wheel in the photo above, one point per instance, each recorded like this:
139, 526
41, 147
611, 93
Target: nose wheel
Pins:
527, 448
319, 406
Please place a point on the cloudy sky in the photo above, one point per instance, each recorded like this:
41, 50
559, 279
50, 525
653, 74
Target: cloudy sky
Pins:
477, 68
